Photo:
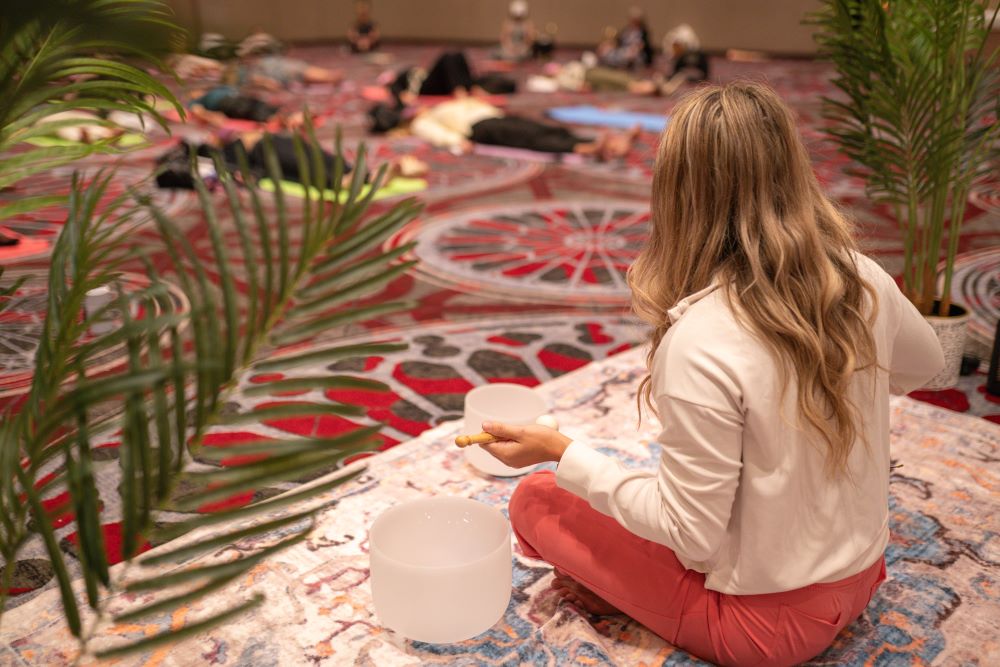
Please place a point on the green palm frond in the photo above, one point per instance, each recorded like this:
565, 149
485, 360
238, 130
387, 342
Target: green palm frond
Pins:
67, 55
301, 279
917, 112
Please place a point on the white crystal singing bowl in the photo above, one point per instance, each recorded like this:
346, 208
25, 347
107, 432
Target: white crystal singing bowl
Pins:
501, 402
440, 568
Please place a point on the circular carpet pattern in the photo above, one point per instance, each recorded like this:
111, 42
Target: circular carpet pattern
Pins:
43, 225
427, 385
986, 195
21, 320
549, 251
976, 285
636, 167
428, 381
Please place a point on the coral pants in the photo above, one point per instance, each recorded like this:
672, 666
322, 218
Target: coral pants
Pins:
646, 581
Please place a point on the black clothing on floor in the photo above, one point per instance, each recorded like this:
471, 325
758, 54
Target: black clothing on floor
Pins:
516, 132
174, 166
696, 62
288, 163
244, 107
497, 84
363, 29
450, 71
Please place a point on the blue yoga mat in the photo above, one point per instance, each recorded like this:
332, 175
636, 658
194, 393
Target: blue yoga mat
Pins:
590, 115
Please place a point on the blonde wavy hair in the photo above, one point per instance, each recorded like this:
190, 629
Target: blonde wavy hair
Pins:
735, 199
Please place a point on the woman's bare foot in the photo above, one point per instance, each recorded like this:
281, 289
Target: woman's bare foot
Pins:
576, 593
412, 167
618, 145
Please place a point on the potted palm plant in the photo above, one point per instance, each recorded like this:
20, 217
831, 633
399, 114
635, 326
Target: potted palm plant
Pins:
305, 266
917, 114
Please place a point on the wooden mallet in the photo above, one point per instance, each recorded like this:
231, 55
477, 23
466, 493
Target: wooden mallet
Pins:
477, 439
486, 438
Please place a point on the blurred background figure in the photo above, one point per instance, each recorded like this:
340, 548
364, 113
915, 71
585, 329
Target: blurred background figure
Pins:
517, 37
631, 46
259, 43
689, 61
545, 42
364, 35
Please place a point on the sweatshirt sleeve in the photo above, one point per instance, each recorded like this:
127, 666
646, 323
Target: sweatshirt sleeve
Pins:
916, 351
685, 505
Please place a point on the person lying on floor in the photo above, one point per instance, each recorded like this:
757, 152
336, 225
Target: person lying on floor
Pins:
268, 72
775, 346
259, 43
85, 127
449, 73
459, 124
586, 75
215, 105
277, 72
363, 35
174, 168
190, 66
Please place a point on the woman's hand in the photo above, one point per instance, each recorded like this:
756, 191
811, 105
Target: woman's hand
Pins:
522, 446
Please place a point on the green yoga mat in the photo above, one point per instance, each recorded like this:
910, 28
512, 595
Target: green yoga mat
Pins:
395, 188
124, 141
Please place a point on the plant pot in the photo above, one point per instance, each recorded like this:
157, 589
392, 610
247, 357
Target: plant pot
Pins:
951, 331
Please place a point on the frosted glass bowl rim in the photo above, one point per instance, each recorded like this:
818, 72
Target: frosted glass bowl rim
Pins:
504, 541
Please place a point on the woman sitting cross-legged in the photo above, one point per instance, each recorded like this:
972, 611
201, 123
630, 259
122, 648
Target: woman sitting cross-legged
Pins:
775, 347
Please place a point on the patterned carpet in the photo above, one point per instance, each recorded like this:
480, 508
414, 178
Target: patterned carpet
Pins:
939, 606
521, 273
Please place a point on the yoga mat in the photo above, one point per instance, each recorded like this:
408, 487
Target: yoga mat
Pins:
395, 188
127, 140
590, 115
28, 247
529, 156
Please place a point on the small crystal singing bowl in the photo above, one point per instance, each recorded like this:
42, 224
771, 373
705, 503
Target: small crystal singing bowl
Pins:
440, 568
499, 402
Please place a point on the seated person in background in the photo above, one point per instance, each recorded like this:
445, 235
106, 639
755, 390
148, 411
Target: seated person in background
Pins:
631, 48
450, 73
689, 62
517, 36
221, 102
545, 44
363, 35
460, 123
